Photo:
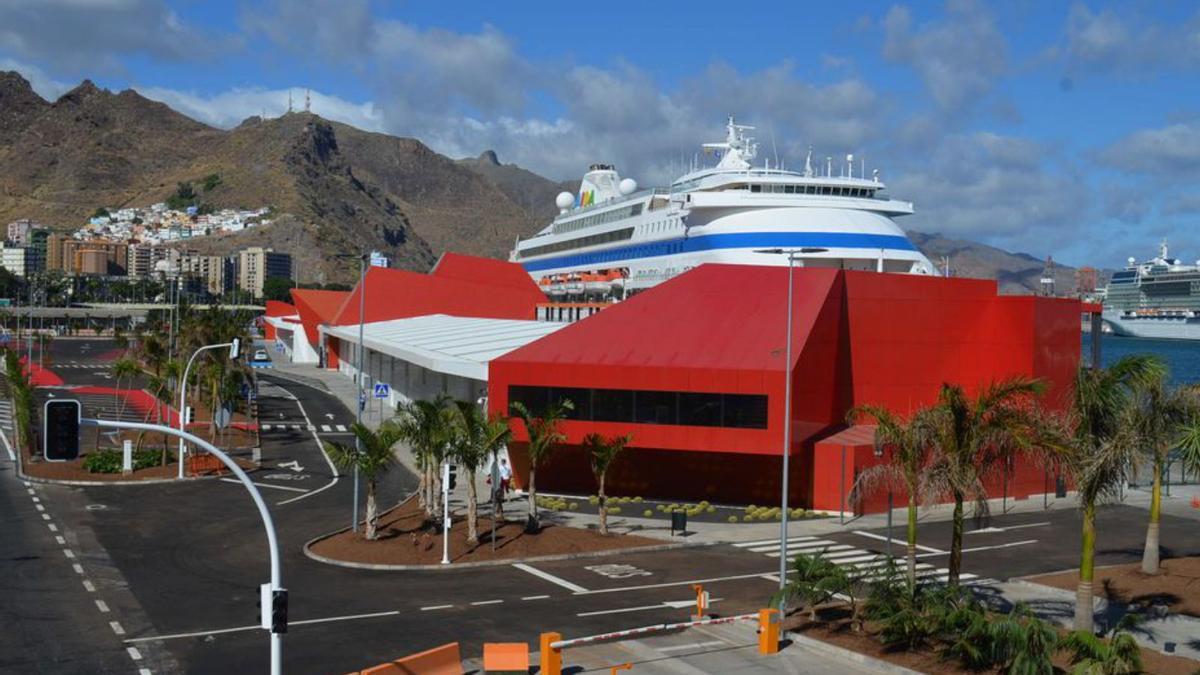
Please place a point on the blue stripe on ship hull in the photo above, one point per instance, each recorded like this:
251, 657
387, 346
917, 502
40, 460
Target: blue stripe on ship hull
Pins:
710, 242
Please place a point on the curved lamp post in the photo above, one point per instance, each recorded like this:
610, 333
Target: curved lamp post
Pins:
234, 352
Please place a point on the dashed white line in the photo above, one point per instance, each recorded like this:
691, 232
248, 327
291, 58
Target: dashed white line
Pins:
30, 491
432, 607
880, 537
69, 553
78, 568
35, 499
535, 597
134, 653
52, 526
144, 671
58, 538
45, 516
39, 507
486, 602
116, 627
241, 629
102, 606
91, 588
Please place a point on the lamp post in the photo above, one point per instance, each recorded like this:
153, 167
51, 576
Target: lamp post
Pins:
787, 409
234, 348
360, 403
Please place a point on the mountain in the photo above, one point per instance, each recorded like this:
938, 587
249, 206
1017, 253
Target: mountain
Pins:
334, 189
1015, 272
344, 190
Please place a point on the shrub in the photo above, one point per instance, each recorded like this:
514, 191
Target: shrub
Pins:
614, 510
637, 500
572, 506
593, 500
648, 513
746, 519
733, 519
710, 509
109, 460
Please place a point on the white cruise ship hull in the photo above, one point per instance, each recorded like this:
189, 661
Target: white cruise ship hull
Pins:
1163, 328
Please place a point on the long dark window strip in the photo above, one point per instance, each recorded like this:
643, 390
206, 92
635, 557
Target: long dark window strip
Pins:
702, 409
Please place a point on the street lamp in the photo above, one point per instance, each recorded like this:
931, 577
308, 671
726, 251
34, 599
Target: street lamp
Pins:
358, 377
787, 407
234, 351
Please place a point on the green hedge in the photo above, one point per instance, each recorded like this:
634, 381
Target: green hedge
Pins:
109, 460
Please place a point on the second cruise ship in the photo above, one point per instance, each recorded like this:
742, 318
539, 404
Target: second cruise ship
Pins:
611, 239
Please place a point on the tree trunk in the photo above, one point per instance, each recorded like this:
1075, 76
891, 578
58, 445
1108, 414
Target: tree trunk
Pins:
422, 497
603, 509
1150, 554
533, 509
472, 510
1087, 563
910, 552
956, 542
371, 510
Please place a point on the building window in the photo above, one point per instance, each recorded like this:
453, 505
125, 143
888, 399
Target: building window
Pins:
742, 411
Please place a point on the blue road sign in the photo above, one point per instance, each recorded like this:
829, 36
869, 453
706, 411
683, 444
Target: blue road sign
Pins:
382, 390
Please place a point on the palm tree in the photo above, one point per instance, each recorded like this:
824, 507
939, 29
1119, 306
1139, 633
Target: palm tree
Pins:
544, 438
906, 468
1092, 655
971, 436
121, 369
373, 457
1160, 417
601, 452
476, 439
426, 426
1104, 452
814, 580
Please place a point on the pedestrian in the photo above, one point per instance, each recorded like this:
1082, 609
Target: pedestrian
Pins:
505, 478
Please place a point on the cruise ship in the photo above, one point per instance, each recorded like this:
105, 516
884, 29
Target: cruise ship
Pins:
612, 239
1159, 298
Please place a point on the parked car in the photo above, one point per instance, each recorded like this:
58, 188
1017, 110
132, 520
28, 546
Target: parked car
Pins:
260, 355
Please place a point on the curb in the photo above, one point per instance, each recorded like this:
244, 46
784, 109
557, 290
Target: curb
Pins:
106, 483
382, 567
847, 655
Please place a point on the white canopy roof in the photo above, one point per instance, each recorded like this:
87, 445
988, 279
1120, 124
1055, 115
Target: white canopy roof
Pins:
447, 344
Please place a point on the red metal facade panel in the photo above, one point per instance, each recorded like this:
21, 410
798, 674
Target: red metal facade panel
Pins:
486, 271
859, 337
317, 307
399, 294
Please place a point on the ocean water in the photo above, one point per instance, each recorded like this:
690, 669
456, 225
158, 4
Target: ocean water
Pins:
1182, 356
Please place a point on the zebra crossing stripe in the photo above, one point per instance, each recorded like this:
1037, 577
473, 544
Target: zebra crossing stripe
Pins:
839, 547
747, 544
341, 427
308, 428
326, 427
809, 543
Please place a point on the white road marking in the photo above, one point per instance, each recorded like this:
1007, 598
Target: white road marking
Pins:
880, 537
52, 526
45, 516
535, 597
31, 491
710, 580
68, 552
340, 427
321, 449
102, 606
986, 548
35, 499
78, 568
242, 629
747, 544
12, 456
60, 540
676, 604
326, 427
432, 607
574, 588
91, 588
39, 507
695, 645
116, 627
991, 530
144, 671
266, 485
486, 602
134, 653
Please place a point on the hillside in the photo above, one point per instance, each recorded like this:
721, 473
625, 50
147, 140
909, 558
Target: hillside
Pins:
335, 189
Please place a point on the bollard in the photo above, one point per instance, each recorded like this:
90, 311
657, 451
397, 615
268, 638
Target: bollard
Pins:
551, 658
768, 631
701, 602
127, 457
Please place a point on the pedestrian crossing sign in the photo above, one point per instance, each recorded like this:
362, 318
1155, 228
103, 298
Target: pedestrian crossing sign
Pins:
382, 390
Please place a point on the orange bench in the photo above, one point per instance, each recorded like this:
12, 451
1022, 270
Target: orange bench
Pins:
443, 660
505, 656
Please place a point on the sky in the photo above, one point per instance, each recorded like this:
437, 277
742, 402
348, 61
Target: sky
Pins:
1069, 129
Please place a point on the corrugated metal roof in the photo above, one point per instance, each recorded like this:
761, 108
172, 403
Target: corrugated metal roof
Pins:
447, 344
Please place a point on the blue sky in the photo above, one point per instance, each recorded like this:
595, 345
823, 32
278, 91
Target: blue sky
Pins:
1070, 129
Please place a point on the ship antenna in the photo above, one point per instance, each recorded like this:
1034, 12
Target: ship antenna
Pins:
808, 170
774, 151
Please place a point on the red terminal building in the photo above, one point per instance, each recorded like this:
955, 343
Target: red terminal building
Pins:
694, 370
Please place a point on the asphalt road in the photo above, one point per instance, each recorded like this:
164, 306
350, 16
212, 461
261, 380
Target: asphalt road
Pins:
178, 566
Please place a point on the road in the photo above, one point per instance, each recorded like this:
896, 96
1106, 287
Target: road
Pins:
177, 566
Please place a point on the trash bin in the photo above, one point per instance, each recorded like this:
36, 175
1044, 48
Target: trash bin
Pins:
678, 522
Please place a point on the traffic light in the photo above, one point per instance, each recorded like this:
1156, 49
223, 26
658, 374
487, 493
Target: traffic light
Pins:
60, 430
451, 476
279, 611
273, 608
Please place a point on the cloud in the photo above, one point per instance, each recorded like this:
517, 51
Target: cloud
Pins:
1007, 190
1169, 150
91, 36
227, 109
1106, 41
959, 58
46, 86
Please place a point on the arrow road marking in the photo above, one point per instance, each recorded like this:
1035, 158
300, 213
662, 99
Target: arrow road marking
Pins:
294, 465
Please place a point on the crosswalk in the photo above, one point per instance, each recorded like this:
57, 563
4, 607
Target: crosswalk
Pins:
323, 428
872, 565
6, 421
109, 407
91, 366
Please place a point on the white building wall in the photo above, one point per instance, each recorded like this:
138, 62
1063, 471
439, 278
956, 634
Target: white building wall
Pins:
407, 381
